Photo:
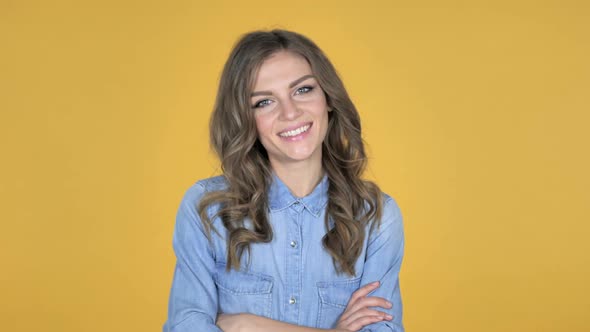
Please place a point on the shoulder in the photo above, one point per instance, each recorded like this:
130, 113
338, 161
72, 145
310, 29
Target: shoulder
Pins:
195, 192
214, 183
391, 217
188, 215
390, 206
204, 186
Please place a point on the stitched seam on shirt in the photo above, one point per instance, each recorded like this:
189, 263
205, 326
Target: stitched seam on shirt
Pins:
335, 305
319, 208
273, 209
267, 281
263, 292
326, 285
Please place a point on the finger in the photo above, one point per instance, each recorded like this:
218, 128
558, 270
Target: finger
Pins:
351, 315
362, 292
363, 303
363, 313
371, 301
364, 321
355, 324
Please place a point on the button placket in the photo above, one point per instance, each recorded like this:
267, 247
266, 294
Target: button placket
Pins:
293, 264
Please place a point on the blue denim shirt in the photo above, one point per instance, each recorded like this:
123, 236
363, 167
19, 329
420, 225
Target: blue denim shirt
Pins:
292, 278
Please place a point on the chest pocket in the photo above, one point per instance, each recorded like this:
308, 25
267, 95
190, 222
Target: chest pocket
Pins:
243, 292
334, 297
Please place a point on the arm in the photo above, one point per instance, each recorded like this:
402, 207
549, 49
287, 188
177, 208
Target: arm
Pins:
253, 323
193, 296
383, 262
356, 316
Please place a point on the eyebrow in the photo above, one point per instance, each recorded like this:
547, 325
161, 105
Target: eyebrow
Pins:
292, 84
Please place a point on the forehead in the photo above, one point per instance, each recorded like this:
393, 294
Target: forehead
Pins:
280, 69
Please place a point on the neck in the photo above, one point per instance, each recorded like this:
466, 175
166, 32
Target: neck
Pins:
300, 178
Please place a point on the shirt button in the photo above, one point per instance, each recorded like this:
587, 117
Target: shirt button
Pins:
293, 244
292, 300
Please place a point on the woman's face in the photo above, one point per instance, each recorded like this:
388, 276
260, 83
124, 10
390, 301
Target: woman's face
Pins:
290, 110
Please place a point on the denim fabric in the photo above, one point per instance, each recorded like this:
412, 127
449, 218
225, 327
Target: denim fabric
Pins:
292, 278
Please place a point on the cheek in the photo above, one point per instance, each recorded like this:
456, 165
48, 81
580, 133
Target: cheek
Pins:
324, 125
264, 127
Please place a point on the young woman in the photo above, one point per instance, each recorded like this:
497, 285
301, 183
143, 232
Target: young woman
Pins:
289, 238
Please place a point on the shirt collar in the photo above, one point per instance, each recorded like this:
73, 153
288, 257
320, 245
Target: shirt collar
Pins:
280, 197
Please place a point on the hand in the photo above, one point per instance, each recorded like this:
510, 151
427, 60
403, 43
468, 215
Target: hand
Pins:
357, 314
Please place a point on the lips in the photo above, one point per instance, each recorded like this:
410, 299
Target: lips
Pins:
295, 131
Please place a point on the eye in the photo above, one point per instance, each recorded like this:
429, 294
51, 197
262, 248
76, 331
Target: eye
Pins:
261, 103
304, 89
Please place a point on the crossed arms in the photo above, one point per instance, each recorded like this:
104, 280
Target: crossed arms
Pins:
193, 298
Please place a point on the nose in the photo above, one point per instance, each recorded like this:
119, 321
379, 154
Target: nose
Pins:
289, 109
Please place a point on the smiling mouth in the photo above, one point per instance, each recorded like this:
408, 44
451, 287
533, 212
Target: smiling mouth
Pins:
295, 132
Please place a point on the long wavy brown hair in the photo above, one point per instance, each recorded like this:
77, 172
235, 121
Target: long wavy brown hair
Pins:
352, 201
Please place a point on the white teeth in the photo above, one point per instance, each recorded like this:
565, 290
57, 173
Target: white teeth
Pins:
295, 132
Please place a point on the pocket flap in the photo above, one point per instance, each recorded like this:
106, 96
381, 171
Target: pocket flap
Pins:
241, 282
337, 293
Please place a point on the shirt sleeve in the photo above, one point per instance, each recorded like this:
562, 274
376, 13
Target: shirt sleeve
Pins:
383, 260
193, 301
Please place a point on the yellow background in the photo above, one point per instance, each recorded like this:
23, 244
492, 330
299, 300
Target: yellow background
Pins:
475, 113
